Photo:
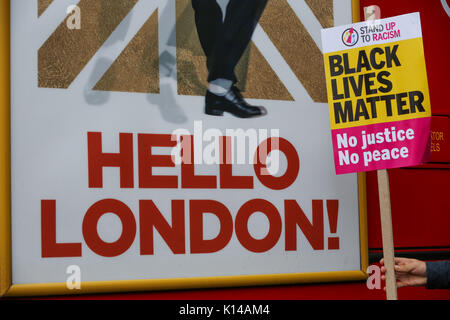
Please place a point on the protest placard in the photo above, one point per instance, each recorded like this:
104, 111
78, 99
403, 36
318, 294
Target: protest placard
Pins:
378, 94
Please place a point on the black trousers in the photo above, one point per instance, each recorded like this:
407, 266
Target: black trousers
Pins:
225, 40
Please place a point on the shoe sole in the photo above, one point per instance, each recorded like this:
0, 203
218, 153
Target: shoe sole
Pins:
213, 111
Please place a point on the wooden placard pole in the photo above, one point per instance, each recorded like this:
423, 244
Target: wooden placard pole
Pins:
372, 13
387, 234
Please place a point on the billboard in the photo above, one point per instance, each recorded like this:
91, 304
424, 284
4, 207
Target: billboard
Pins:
175, 144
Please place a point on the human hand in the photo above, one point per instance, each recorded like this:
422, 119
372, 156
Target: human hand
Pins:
408, 272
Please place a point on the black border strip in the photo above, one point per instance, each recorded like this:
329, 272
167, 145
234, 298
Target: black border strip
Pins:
375, 257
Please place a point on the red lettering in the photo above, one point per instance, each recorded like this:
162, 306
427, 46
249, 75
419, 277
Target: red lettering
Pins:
188, 177
151, 217
197, 209
147, 161
293, 168
97, 160
294, 216
90, 221
227, 180
333, 210
50, 248
275, 225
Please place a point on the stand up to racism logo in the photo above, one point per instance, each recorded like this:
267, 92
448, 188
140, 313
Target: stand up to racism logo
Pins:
350, 37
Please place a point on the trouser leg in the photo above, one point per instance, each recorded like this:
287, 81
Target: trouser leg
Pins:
241, 19
208, 19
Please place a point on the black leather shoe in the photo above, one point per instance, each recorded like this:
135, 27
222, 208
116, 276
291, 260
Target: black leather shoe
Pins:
232, 102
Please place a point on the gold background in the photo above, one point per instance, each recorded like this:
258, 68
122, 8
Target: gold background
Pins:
66, 52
